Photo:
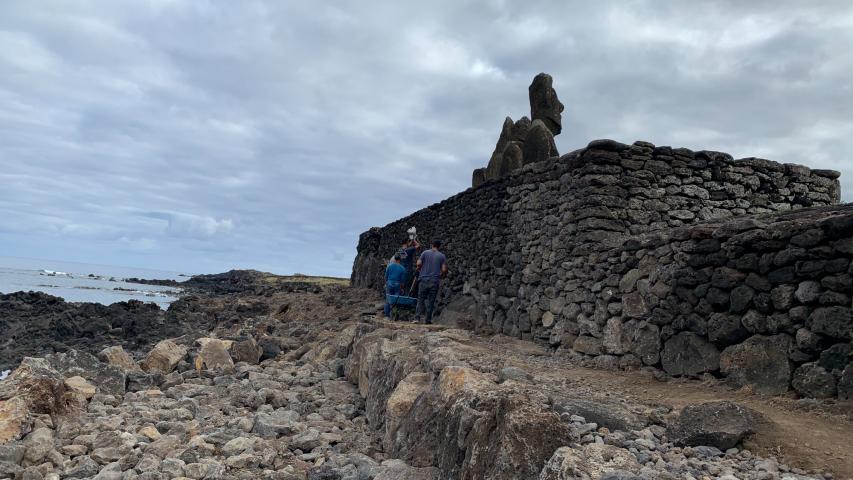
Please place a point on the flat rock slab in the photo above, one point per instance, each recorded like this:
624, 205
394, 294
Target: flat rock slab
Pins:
606, 413
716, 424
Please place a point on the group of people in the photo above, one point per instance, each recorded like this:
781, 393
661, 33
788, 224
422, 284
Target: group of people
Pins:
419, 278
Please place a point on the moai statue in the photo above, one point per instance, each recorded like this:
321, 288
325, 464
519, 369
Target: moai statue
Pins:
544, 104
493, 170
539, 144
526, 141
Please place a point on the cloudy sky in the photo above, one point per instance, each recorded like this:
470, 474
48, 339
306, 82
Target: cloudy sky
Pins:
200, 136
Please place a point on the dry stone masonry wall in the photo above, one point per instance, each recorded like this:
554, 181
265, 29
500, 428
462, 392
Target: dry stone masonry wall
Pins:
631, 255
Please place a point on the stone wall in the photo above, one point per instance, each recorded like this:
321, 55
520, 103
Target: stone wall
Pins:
557, 251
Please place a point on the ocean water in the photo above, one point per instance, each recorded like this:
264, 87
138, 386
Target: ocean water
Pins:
82, 282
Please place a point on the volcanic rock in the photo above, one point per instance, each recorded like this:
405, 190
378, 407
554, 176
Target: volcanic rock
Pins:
760, 362
718, 424
544, 104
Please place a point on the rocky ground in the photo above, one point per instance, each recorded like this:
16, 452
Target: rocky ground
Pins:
270, 378
35, 323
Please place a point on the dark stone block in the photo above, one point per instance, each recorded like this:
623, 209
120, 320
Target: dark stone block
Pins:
607, 145
835, 322
812, 380
718, 424
726, 329
689, 354
836, 357
760, 362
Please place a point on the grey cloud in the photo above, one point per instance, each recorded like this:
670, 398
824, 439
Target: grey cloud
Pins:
269, 134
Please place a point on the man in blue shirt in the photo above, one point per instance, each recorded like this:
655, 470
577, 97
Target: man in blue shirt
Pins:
432, 266
394, 276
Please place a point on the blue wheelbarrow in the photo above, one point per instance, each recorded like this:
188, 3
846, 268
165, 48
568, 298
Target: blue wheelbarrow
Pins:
401, 306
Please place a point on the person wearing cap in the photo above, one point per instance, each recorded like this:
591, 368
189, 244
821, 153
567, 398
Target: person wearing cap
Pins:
394, 276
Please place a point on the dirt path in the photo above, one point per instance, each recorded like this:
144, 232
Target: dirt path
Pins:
812, 435
809, 434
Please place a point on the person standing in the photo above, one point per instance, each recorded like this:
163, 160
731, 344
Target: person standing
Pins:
394, 275
432, 266
408, 252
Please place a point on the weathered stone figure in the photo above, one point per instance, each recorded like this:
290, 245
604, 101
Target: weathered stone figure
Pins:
544, 104
523, 141
539, 144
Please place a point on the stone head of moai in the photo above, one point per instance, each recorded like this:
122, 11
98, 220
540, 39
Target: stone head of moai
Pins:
526, 141
544, 104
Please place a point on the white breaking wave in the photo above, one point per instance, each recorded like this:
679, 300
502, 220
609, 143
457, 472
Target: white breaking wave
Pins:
4, 374
54, 273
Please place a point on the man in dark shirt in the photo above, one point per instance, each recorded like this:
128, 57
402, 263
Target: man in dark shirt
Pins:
432, 266
408, 252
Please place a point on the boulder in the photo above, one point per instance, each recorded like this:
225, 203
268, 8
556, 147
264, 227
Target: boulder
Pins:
836, 357
689, 354
246, 350
279, 422
80, 387
717, 424
726, 329
590, 462
760, 362
588, 345
35, 387
307, 440
809, 341
462, 312
644, 341
118, 357
812, 380
603, 411
164, 357
38, 443
544, 104
108, 379
81, 467
834, 321
213, 356
15, 420
12, 453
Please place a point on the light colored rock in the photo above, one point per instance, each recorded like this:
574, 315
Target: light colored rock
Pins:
15, 419
401, 400
213, 356
39, 443
237, 445
454, 379
80, 386
164, 357
149, 432
118, 357
74, 450
589, 463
